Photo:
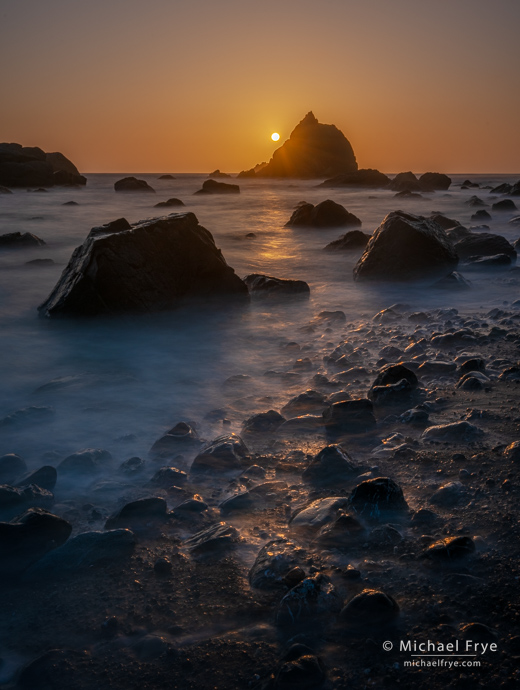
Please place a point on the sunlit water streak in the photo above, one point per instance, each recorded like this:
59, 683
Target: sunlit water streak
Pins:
141, 375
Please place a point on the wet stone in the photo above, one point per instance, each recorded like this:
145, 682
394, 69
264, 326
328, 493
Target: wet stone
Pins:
384, 536
450, 549
236, 503
392, 394
86, 550
309, 600
318, 513
352, 416
457, 432
224, 454
45, 478
162, 567
450, 495
138, 514
512, 452
213, 540
18, 498
307, 672
86, 462
424, 518
369, 608
191, 506
331, 465
263, 422
307, 402
344, 531
169, 476
273, 564
415, 416
375, 497
132, 466
181, 437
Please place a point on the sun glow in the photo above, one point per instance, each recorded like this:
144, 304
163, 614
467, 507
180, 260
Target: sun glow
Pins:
275, 136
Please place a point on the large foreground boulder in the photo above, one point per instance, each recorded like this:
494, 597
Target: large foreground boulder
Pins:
150, 266
312, 150
407, 248
327, 214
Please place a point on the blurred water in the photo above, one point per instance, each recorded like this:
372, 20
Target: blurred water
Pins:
139, 376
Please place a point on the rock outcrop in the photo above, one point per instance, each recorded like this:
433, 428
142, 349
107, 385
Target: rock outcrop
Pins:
327, 214
312, 150
407, 248
150, 266
29, 166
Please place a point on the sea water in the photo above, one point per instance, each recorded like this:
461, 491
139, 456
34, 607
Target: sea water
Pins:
120, 383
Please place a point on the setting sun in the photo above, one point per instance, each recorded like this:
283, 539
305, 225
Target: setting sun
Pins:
275, 136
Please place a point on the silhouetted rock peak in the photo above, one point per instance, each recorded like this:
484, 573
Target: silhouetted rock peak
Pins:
312, 150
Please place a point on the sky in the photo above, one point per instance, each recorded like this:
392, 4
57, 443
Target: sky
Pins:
195, 85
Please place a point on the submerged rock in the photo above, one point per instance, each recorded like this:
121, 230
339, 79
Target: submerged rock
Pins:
28, 537
224, 454
370, 608
19, 240
213, 187
273, 562
45, 477
181, 438
308, 601
132, 184
138, 514
484, 244
85, 462
453, 281
150, 266
327, 214
86, 550
260, 285
332, 465
312, 150
457, 432
406, 248
352, 416
213, 540
375, 497
169, 203
352, 240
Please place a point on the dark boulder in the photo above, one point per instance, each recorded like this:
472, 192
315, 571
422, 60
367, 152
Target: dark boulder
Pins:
138, 514
445, 222
224, 454
213, 187
406, 248
132, 184
371, 608
67, 179
13, 499
267, 286
60, 162
480, 216
505, 205
495, 260
166, 177
213, 540
312, 150
393, 373
326, 214
150, 266
352, 240
368, 178
273, 562
331, 466
45, 477
264, 422
171, 202
434, 181
475, 201
169, 476
405, 181
354, 416
81, 553
28, 537
453, 281
374, 498
484, 244
19, 240
452, 548
181, 438
313, 598
87, 462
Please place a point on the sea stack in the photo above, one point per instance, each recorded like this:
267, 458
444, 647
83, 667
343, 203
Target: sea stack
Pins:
312, 150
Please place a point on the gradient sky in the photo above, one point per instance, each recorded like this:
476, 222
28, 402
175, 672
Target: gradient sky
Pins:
194, 85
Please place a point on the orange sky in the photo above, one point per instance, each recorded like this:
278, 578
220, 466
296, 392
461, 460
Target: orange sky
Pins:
194, 85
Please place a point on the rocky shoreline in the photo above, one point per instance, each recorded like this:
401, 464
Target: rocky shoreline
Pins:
372, 497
